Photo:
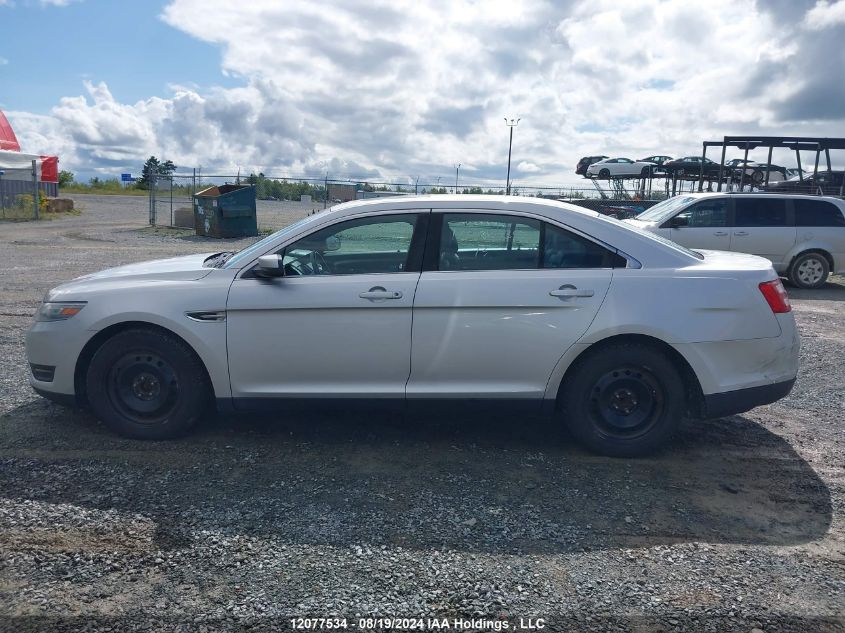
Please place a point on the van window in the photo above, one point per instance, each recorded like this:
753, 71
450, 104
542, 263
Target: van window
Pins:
706, 214
759, 212
817, 213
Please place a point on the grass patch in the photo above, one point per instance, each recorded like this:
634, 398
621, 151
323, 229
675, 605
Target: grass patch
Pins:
25, 215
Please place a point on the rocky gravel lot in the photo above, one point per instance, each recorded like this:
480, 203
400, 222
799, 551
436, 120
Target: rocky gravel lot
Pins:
738, 526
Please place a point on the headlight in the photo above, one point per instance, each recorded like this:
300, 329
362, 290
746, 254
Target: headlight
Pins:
59, 311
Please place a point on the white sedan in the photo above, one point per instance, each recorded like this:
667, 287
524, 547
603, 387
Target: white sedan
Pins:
423, 300
620, 167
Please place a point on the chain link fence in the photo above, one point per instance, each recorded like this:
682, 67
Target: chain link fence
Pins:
282, 200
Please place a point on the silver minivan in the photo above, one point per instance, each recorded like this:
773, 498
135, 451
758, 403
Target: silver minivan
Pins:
803, 236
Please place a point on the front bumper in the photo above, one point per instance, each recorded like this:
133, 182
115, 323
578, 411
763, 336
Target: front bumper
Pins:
717, 405
55, 345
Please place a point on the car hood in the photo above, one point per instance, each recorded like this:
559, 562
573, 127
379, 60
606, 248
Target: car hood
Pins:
186, 268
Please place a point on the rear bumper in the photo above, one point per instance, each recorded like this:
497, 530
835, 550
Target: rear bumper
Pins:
717, 405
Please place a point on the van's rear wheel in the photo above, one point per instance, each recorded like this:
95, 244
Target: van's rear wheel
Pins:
146, 384
809, 270
623, 400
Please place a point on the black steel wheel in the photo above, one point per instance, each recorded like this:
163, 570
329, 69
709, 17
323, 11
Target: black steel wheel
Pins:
623, 400
147, 384
604, 174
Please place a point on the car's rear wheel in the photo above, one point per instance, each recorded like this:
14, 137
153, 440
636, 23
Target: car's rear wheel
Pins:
623, 400
809, 270
147, 384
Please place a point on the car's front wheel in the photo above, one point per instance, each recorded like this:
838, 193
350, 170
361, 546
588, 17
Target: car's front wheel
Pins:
809, 270
147, 384
623, 400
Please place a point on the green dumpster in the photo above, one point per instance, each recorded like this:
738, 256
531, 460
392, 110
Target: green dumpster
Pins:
226, 211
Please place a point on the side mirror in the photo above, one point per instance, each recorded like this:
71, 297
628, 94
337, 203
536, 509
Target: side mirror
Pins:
270, 266
678, 221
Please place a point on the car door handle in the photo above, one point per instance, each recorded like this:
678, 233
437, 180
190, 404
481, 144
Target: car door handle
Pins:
377, 292
568, 290
720, 233
741, 233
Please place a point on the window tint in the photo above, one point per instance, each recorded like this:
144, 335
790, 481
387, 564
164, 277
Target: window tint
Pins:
501, 242
367, 245
759, 212
817, 213
473, 241
707, 213
562, 249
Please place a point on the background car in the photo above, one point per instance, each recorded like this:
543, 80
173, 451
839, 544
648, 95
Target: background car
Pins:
752, 172
619, 167
691, 166
520, 302
823, 183
657, 160
803, 236
586, 161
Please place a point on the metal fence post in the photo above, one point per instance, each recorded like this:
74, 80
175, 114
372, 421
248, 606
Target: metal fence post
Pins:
152, 184
35, 195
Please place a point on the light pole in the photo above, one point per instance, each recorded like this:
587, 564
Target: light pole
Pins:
512, 123
457, 171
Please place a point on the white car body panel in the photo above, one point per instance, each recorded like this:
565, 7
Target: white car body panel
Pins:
458, 334
634, 168
464, 321
314, 336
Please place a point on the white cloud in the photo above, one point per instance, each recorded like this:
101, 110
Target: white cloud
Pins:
825, 15
404, 87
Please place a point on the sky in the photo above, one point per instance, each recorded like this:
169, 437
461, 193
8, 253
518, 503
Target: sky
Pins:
403, 89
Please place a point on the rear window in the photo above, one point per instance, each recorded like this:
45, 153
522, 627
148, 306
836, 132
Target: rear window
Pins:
817, 213
759, 212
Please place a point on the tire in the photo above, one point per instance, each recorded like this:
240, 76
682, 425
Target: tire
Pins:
604, 174
757, 177
624, 400
147, 385
644, 173
809, 270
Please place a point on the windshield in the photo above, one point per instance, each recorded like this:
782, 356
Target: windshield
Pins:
244, 255
663, 210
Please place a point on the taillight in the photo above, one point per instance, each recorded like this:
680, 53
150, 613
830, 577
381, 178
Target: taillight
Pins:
776, 296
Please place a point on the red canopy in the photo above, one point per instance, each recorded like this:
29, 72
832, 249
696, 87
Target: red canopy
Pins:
8, 140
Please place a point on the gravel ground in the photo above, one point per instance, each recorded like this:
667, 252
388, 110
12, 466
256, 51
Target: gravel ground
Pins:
737, 526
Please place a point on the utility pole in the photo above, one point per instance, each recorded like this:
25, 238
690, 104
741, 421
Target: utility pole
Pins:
511, 124
457, 172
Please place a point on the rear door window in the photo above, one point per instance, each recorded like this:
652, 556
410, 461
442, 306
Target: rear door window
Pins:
475, 241
817, 213
759, 212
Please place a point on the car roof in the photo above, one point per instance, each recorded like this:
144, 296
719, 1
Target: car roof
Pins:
541, 206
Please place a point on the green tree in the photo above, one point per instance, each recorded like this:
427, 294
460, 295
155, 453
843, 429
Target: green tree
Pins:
65, 178
154, 167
